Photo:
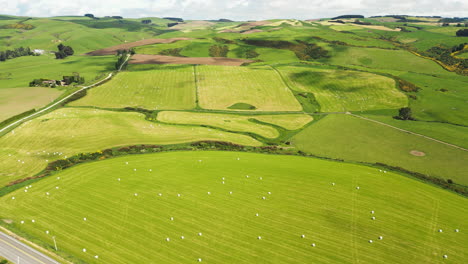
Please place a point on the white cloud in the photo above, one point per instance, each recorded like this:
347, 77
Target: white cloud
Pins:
234, 9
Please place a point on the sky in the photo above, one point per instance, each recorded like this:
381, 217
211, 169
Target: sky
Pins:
234, 9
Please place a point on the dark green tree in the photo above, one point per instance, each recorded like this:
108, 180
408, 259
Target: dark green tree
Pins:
405, 113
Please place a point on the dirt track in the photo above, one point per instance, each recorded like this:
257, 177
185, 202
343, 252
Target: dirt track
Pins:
160, 59
113, 50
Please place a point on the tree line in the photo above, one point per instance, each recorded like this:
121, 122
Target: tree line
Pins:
14, 53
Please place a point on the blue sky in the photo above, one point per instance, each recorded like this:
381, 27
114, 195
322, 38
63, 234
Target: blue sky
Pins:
234, 9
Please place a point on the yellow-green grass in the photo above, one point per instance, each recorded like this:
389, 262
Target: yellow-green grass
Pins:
400, 60
165, 87
220, 87
339, 90
14, 101
237, 123
289, 122
69, 131
19, 72
128, 222
353, 139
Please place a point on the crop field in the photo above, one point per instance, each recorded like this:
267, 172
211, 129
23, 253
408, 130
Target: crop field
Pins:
341, 91
71, 131
19, 72
183, 206
162, 87
260, 87
361, 140
14, 101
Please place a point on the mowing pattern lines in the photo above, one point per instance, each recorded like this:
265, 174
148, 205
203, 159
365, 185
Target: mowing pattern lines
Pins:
221, 87
133, 204
338, 90
167, 87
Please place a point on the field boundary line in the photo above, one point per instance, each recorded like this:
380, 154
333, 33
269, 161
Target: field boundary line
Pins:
63, 99
409, 132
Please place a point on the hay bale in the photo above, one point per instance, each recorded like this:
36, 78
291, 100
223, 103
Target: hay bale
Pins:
313, 244
370, 241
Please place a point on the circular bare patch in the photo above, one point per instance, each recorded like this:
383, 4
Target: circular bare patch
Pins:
417, 153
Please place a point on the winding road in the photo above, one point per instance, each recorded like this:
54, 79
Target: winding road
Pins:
19, 253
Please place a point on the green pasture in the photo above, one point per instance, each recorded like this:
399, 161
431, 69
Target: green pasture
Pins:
341, 91
20, 71
180, 207
353, 139
399, 60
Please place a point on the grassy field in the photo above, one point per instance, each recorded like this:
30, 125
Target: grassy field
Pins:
434, 105
20, 71
398, 60
222, 87
126, 220
229, 122
449, 133
341, 91
162, 87
289, 122
71, 131
84, 35
361, 140
14, 101
238, 123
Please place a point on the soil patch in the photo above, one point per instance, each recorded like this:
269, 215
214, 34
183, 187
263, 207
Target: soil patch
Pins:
8, 221
161, 59
113, 50
417, 153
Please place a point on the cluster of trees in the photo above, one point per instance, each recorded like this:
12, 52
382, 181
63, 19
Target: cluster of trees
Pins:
89, 15
462, 33
19, 25
17, 52
348, 16
223, 40
247, 53
452, 20
457, 25
359, 22
172, 24
63, 51
146, 21
172, 52
126, 51
174, 19
122, 59
219, 51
